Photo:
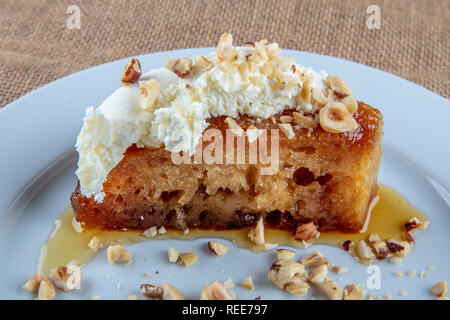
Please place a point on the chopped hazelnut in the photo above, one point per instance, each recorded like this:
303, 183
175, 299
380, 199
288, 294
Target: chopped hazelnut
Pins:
412, 224
247, 283
374, 237
229, 283
315, 259
286, 119
216, 291
319, 274
439, 289
133, 297
304, 122
46, 290
173, 254
283, 271
353, 292
395, 260
217, 248
339, 87
187, 259
131, 73
164, 291
95, 244
347, 244
285, 254
305, 231
297, 287
150, 232
286, 128
180, 66
234, 127
381, 249
66, 277
201, 64
150, 90
335, 118
257, 234
399, 248
331, 290
364, 251
32, 285
118, 254
151, 291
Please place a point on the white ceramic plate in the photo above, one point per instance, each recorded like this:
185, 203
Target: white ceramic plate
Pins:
37, 164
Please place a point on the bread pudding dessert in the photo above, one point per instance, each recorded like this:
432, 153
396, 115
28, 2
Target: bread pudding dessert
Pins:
223, 140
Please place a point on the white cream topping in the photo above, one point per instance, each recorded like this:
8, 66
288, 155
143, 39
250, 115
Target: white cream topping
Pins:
182, 109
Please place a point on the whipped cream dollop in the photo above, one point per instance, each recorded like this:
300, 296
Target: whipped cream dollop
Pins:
253, 80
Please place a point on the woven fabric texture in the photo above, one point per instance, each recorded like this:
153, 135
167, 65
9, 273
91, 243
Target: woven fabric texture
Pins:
36, 45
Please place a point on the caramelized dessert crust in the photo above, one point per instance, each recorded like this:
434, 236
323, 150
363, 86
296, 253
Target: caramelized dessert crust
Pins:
325, 178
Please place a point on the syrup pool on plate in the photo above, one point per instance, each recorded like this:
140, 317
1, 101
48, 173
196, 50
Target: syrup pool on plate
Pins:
66, 246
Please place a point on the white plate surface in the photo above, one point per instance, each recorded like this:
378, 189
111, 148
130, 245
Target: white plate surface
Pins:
37, 164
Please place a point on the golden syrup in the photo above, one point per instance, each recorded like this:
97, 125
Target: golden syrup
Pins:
67, 246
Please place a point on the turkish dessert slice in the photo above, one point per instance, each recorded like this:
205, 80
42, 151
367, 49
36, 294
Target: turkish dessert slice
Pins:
225, 139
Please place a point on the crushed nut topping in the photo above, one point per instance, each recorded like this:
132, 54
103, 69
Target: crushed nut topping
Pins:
247, 283
381, 249
201, 64
257, 234
353, 292
150, 91
66, 277
374, 237
180, 66
338, 86
164, 291
234, 127
335, 118
217, 248
151, 291
347, 244
412, 224
286, 128
305, 231
229, 283
216, 291
187, 259
131, 73
286, 119
118, 254
303, 121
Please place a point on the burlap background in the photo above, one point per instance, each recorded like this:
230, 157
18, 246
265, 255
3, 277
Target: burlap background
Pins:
36, 46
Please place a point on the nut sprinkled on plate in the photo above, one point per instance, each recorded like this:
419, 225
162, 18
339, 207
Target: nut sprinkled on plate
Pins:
247, 283
229, 283
353, 292
364, 251
32, 285
46, 290
257, 234
180, 66
399, 248
319, 274
347, 244
150, 232
314, 260
187, 259
374, 237
133, 297
173, 254
131, 73
216, 291
217, 248
412, 224
95, 244
395, 260
285, 254
335, 118
305, 231
289, 275
66, 277
439, 289
118, 254
151, 291
331, 290
381, 249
